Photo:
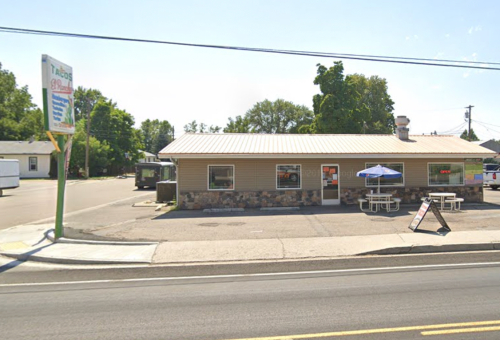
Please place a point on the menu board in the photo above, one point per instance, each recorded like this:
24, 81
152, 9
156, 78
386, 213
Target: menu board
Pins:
426, 204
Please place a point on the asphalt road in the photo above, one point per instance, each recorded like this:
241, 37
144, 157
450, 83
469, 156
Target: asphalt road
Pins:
364, 303
35, 200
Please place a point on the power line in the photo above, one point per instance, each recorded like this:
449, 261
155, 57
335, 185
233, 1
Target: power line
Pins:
487, 128
456, 128
386, 59
480, 127
477, 121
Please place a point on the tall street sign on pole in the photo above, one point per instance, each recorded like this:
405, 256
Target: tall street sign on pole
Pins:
59, 119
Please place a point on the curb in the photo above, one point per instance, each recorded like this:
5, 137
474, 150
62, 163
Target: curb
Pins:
45, 259
280, 209
51, 237
223, 210
420, 249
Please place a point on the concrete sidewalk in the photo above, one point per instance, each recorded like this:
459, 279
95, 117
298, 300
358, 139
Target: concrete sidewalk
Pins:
35, 242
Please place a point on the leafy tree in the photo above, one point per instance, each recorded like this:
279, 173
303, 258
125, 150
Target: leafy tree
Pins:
98, 151
164, 137
32, 125
374, 96
279, 116
20, 119
214, 129
85, 100
473, 136
352, 103
115, 127
193, 127
338, 109
238, 125
157, 134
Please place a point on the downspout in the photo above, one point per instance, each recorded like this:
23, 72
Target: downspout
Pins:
176, 163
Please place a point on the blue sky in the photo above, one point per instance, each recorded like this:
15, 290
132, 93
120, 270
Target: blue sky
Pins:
181, 84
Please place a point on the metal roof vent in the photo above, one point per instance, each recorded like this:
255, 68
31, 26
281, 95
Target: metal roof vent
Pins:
401, 130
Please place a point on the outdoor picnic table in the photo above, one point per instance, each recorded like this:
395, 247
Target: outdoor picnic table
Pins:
442, 197
378, 201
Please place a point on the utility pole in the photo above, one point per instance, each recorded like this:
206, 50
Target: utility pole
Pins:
469, 116
88, 137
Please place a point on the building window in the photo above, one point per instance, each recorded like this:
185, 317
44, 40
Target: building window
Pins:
221, 177
387, 182
288, 177
33, 164
446, 174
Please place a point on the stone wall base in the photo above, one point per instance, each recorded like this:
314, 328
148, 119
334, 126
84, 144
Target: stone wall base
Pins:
414, 195
297, 198
248, 199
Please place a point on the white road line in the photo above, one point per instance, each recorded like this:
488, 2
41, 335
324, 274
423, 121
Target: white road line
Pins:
229, 276
50, 219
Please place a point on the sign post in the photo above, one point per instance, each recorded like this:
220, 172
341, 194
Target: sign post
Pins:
59, 118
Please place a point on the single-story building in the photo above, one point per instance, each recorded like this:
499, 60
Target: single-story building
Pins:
275, 170
35, 159
148, 157
490, 144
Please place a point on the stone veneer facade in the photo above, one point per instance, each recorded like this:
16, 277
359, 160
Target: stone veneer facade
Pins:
296, 198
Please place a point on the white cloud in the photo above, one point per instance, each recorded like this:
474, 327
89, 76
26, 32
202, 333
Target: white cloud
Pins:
416, 37
447, 35
473, 57
439, 55
473, 29
407, 38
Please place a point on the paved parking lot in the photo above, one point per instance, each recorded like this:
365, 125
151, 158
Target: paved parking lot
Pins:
145, 224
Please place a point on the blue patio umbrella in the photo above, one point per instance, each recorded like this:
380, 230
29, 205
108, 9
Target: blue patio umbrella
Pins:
377, 172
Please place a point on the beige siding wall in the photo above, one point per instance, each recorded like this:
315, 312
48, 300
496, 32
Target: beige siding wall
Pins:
260, 174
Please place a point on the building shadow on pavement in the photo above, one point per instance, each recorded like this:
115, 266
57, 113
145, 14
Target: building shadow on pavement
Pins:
310, 210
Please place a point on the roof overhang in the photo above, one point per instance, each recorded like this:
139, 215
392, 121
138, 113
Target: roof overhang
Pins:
310, 156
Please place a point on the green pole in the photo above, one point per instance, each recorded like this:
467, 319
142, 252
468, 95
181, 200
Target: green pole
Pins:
61, 183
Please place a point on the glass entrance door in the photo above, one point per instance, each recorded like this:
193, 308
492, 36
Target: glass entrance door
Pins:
330, 184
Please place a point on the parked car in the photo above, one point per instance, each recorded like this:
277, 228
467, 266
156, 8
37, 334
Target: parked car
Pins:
491, 176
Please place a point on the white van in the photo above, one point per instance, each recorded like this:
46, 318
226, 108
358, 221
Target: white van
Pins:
9, 174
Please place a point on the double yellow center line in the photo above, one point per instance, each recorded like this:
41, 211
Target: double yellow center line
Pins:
450, 328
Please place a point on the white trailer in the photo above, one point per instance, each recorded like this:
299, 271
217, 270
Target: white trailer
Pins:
9, 174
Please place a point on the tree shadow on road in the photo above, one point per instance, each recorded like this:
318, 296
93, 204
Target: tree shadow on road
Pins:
25, 256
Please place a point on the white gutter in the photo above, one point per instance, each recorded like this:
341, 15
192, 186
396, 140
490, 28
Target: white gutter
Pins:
310, 156
176, 163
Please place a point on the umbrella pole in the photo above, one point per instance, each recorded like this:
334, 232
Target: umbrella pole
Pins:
379, 185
